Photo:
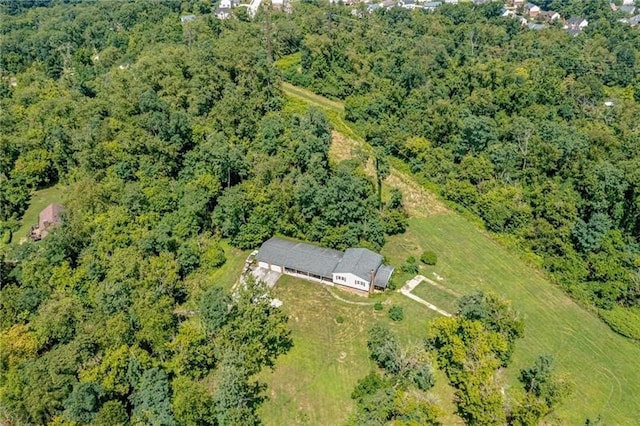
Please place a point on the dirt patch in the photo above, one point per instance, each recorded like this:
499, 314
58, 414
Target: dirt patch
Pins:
418, 201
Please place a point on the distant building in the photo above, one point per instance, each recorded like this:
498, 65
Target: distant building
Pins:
634, 21
187, 18
576, 24
223, 13
431, 6
373, 7
408, 4
532, 10
48, 219
549, 15
628, 9
356, 268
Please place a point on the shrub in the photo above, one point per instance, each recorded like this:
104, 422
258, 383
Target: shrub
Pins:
6, 236
339, 319
625, 321
429, 258
410, 266
396, 313
377, 306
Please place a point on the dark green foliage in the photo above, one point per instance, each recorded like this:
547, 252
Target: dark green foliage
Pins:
410, 266
396, 313
83, 403
543, 391
111, 413
422, 377
496, 315
115, 317
236, 399
549, 164
384, 348
429, 258
339, 319
6, 236
378, 306
215, 308
369, 385
396, 395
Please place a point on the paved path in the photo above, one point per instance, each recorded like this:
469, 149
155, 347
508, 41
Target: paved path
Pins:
413, 283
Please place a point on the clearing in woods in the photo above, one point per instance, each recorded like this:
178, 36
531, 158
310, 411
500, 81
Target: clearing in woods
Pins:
39, 200
602, 366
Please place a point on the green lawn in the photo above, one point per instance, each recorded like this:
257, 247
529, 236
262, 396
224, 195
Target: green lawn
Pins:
312, 384
436, 296
603, 366
39, 200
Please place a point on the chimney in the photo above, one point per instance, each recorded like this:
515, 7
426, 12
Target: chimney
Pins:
373, 277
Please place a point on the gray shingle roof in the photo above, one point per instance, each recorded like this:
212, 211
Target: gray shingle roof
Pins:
360, 262
324, 262
300, 256
382, 276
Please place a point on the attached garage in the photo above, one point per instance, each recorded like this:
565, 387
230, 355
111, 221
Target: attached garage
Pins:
276, 268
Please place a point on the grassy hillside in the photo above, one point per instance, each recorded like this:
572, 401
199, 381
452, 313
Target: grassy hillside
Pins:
312, 384
602, 365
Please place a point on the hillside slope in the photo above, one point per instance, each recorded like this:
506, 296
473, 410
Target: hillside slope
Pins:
601, 364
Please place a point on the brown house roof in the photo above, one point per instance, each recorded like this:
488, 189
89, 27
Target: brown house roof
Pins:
50, 216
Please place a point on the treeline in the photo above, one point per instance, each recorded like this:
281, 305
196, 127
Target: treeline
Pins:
536, 132
171, 141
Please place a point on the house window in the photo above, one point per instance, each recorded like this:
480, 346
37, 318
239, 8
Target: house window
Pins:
340, 278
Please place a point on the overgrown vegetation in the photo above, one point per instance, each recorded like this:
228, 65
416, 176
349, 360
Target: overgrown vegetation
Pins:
170, 141
472, 346
533, 131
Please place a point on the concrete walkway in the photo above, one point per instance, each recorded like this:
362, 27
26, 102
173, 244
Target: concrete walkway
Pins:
413, 283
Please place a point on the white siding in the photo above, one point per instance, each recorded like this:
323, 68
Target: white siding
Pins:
264, 265
350, 280
276, 268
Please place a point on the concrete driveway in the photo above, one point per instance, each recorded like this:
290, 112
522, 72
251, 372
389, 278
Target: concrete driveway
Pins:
267, 276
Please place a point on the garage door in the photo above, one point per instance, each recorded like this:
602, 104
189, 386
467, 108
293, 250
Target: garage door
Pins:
276, 268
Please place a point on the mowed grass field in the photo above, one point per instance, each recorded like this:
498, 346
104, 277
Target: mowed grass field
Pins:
603, 366
312, 384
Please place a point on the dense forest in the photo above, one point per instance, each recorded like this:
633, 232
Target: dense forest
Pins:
169, 139
535, 132
171, 143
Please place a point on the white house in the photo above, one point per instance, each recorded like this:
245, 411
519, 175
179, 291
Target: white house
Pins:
356, 268
532, 10
577, 24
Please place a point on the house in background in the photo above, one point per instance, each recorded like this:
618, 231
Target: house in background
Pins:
49, 218
356, 268
576, 24
187, 18
532, 10
549, 16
